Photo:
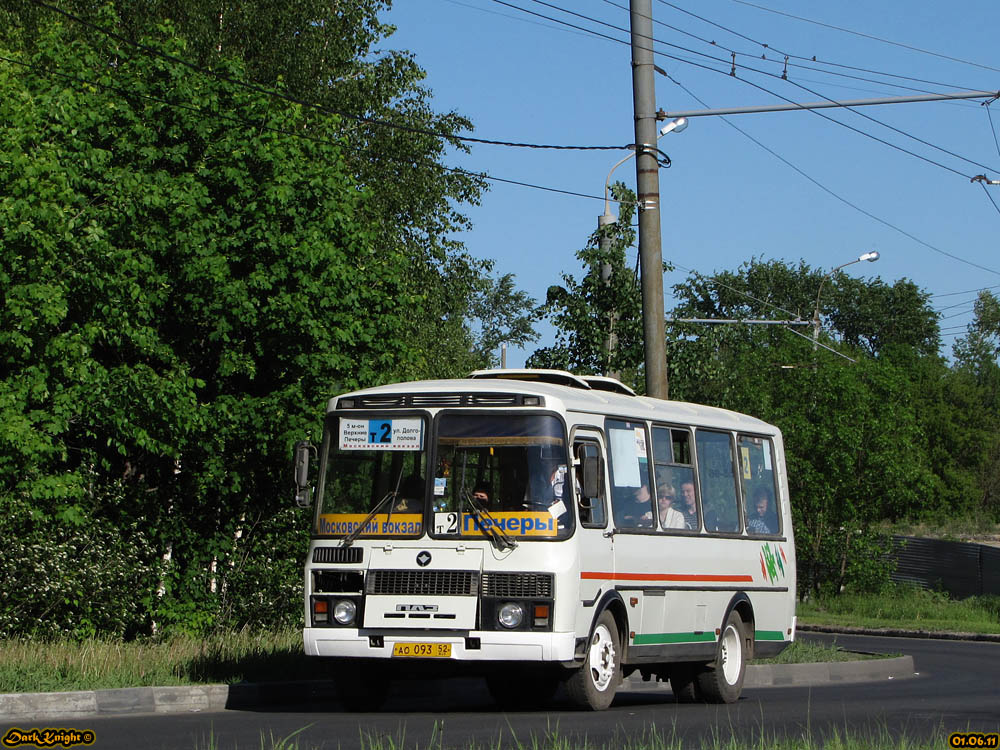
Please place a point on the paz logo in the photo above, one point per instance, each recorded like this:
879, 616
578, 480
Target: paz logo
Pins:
424, 559
772, 562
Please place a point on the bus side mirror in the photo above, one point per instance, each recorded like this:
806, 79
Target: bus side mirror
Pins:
303, 490
590, 470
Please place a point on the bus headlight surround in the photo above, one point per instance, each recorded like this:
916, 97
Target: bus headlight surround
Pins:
511, 615
344, 611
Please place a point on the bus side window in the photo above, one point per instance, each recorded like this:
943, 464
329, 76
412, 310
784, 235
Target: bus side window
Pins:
593, 510
757, 479
631, 487
718, 481
676, 499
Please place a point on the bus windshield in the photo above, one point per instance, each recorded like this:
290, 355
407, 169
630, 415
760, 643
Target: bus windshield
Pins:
507, 471
374, 464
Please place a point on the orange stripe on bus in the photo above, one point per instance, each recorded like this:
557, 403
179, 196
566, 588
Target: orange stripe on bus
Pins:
710, 577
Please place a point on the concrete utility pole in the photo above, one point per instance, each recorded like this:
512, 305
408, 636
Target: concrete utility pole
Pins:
647, 180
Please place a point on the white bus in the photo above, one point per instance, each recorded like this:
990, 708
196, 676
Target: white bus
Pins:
537, 528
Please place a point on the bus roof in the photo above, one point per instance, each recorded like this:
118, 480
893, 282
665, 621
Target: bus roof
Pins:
595, 395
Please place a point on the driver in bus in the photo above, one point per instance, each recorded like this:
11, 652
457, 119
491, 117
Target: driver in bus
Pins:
548, 487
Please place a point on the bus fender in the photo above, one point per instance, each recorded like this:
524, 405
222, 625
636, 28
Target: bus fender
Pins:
610, 600
742, 604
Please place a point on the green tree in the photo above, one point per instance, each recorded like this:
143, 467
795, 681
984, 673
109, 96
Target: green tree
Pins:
855, 434
977, 377
180, 289
605, 302
333, 56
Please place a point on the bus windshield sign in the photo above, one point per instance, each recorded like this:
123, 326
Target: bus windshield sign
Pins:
382, 434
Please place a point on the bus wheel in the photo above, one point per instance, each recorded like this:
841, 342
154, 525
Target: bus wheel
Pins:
722, 680
522, 690
593, 685
684, 682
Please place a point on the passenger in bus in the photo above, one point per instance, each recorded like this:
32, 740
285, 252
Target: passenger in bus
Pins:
690, 507
760, 520
670, 517
636, 510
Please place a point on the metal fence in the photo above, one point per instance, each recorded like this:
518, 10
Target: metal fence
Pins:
958, 568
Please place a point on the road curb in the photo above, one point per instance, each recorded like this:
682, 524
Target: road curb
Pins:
899, 633
803, 675
40, 707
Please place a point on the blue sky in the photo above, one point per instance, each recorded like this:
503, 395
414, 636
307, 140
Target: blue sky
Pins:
725, 199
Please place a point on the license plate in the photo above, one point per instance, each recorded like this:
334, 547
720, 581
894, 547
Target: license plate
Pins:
422, 650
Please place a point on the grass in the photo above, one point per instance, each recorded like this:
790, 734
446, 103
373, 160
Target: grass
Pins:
905, 607
649, 739
801, 652
64, 665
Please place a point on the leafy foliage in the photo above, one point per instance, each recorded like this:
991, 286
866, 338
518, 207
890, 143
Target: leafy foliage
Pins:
605, 304
895, 434
180, 290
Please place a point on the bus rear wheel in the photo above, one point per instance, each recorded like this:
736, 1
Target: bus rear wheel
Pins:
722, 680
593, 685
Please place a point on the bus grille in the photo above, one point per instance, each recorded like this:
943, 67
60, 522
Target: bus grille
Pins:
337, 555
425, 582
518, 585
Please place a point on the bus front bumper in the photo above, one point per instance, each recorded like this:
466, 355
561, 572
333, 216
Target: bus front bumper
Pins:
473, 646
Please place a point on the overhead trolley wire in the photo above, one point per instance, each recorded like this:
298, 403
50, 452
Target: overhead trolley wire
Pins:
766, 46
762, 88
830, 192
868, 36
968, 291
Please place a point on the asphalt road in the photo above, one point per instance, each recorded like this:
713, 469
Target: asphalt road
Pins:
957, 689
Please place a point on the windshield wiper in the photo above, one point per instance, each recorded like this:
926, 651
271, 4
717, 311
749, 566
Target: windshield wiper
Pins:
500, 538
348, 540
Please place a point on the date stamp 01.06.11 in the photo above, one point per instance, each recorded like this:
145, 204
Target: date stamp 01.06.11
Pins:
974, 739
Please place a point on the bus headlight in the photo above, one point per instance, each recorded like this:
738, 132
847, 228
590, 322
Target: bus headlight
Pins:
345, 611
511, 615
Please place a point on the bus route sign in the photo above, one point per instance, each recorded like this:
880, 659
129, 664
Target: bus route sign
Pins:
382, 434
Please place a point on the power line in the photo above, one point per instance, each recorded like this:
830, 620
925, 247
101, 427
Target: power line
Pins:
830, 192
986, 190
732, 74
312, 105
969, 291
867, 36
712, 280
813, 58
805, 88
128, 93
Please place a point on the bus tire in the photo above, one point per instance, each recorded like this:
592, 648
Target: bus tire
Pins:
593, 685
722, 680
684, 683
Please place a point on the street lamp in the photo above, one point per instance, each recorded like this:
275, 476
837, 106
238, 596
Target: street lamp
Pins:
871, 257
674, 126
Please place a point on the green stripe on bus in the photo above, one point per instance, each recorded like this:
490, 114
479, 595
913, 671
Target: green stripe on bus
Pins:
769, 635
646, 639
